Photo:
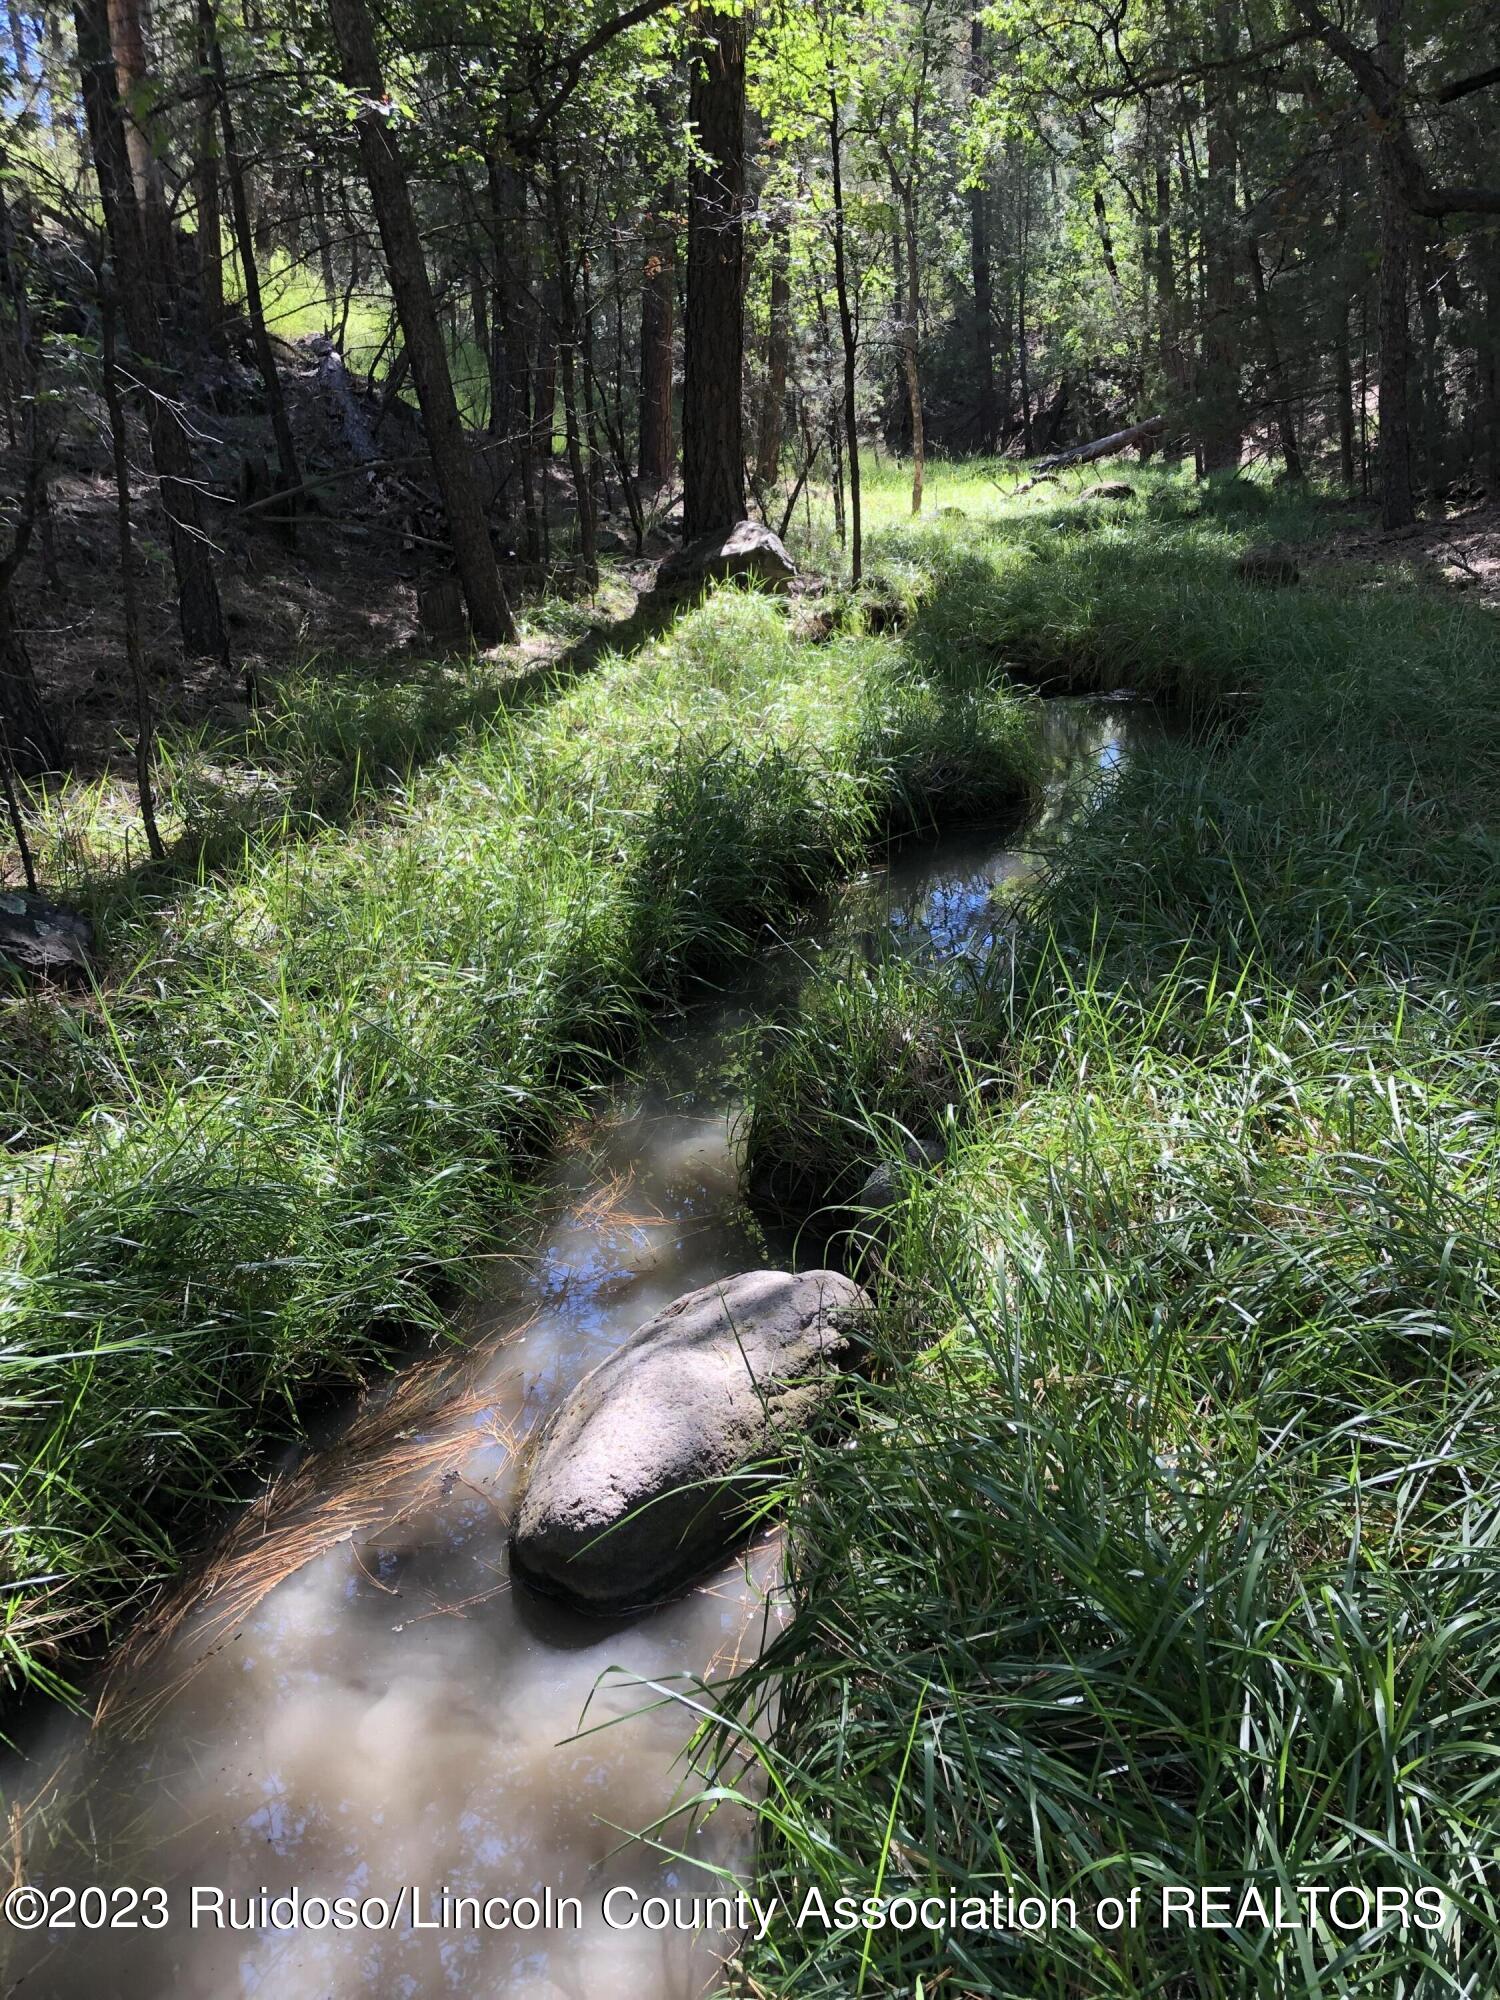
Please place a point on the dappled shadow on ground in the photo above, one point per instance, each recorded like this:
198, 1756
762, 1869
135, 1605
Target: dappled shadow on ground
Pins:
332, 740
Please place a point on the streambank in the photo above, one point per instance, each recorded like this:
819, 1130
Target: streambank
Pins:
310, 1090
1155, 1546
354, 1698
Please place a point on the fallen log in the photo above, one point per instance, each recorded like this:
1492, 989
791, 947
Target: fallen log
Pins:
1105, 447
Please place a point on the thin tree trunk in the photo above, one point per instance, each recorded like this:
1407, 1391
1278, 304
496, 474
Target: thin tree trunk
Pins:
210, 238
658, 306
1028, 436
1429, 376
27, 733
234, 174
321, 226
30, 742
1168, 351
511, 252
1344, 396
8, 775
986, 413
473, 553
1220, 420
1286, 428
847, 332
199, 608
1489, 415
1394, 331
713, 451
129, 38
658, 310
905, 194
567, 361
129, 596
778, 333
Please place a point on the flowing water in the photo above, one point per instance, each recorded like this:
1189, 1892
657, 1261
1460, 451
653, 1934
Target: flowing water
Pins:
351, 1701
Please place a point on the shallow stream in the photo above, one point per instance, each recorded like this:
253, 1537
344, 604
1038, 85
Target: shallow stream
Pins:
351, 1701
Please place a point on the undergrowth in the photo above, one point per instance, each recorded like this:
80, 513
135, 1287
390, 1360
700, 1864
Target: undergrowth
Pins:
1162, 1544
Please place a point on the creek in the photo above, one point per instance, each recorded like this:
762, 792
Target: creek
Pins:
349, 1701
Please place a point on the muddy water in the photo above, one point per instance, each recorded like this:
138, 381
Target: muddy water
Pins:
353, 1703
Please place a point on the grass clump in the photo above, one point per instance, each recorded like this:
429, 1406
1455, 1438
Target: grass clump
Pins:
310, 1085
1162, 1547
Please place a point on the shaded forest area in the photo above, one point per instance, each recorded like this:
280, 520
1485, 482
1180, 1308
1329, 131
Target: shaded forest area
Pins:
306, 312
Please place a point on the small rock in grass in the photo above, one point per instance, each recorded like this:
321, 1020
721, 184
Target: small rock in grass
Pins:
44, 939
749, 552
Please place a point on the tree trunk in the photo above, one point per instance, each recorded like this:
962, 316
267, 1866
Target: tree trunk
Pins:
1144, 433
1023, 366
129, 596
1429, 378
210, 238
1394, 333
129, 38
199, 608
511, 251
713, 452
1286, 428
1344, 394
1218, 391
1167, 327
323, 230
778, 323
20, 59
30, 741
567, 360
473, 554
1489, 360
848, 333
905, 194
265, 358
658, 307
986, 413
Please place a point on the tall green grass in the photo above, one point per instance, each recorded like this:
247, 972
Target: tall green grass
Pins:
310, 1084
1163, 1541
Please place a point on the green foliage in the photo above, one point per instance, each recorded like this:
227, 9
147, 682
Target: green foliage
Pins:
1163, 1532
309, 1088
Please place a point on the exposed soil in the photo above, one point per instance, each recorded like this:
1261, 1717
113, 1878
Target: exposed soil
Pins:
1458, 547
367, 539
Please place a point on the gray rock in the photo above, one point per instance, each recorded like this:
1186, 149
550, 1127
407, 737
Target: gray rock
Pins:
634, 1489
46, 939
885, 1184
748, 551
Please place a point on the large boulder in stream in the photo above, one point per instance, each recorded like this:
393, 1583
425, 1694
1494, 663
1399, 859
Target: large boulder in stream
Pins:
748, 553
644, 1474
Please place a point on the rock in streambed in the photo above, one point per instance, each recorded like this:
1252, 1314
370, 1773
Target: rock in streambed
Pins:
644, 1474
